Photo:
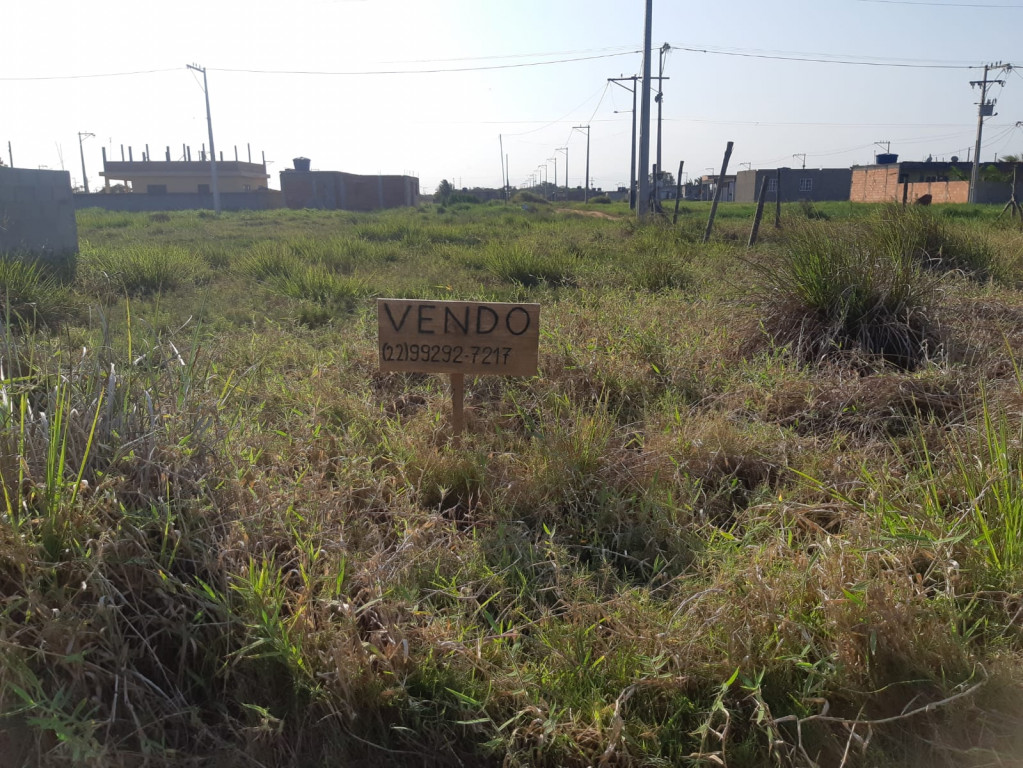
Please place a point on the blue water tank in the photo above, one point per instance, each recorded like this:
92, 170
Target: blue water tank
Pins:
301, 163
886, 158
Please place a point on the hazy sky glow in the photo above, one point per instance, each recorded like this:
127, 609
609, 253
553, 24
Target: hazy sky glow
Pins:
344, 82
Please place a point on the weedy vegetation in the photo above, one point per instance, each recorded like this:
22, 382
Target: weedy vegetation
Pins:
759, 507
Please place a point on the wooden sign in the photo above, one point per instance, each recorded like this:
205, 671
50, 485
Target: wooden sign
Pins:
458, 337
478, 338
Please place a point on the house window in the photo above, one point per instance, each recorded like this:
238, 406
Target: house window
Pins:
806, 185
772, 185
156, 189
204, 189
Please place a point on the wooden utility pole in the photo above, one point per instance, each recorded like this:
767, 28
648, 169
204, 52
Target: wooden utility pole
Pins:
760, 212
643, 204
717, 192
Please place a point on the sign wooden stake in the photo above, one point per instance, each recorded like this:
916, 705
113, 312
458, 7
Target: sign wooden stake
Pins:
458, 337
457, 404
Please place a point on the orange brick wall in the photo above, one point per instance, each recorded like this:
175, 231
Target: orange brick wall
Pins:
879, 185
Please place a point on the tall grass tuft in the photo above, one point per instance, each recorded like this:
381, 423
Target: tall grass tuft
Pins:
529, 264
31, 296
140, 268
917, 233
829, 293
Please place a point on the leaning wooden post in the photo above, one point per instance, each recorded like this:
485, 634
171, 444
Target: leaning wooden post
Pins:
759, 214
717, 193
777, 198
678, 190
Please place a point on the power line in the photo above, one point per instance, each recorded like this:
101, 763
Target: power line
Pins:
939, 5
358, 73
97, 74
818, 59
352, 73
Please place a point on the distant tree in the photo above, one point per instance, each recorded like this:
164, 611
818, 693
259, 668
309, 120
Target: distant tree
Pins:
444, 190
667, 179
1012, 158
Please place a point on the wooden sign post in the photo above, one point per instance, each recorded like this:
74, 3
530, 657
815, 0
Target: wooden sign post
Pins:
458, 338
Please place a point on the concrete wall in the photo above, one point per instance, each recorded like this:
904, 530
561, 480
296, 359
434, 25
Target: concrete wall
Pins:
828, 184
37, 214
334, 190
262, 200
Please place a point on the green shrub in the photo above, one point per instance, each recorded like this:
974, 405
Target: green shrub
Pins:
525, 196
601, 200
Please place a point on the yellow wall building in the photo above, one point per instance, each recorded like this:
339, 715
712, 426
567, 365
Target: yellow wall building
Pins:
163, 177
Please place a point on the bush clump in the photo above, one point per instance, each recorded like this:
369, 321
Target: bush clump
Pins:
917, 233
828, 294
31, 296
525, 196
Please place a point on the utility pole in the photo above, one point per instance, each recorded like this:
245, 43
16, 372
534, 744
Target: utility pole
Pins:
10, 154
81, 137
643, 203
803, 156
565, 150
660, 100
985, 108
555, 161
586, 191
504, 178
209, 125
632, 159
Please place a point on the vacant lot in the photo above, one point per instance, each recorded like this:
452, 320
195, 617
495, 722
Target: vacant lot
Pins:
760, 506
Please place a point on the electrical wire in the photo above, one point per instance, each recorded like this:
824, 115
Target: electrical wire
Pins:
96, 74
940, 5
819, 59
357, 73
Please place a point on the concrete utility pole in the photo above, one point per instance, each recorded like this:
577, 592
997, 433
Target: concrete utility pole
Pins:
565, 150
985, 108
209, 125
660, 99
504, 178
801, 155
81, 137
555, 161
586, 192
644, 118
632, 160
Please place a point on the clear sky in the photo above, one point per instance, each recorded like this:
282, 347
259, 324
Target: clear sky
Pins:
314, 78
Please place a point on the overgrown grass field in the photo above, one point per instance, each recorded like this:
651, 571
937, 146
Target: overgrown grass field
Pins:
759, 506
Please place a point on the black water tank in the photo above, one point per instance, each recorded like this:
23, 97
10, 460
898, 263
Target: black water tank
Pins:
301, 163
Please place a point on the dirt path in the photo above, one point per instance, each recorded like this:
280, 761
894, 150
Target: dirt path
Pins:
595, 214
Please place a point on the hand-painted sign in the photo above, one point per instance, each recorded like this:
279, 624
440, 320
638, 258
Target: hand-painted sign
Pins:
487, 338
